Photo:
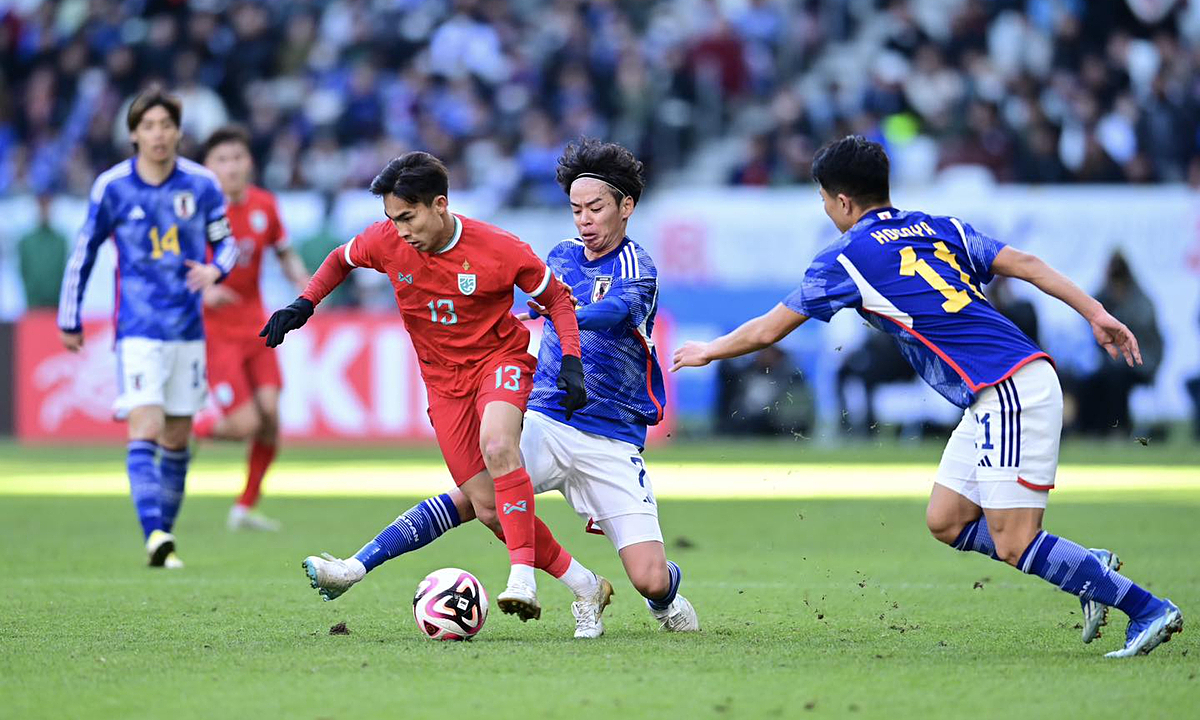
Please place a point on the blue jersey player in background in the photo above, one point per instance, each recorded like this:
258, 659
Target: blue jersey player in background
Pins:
594, 458
919, 278
166, 216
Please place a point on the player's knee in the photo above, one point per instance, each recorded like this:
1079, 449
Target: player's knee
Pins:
651, 579
944, 527
490, 518
268, 423
501, 455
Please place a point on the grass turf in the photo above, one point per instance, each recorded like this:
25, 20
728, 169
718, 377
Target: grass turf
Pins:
810, 607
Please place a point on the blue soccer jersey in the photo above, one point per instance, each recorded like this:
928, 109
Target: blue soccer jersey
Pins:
620, 364
156, 228
919, 278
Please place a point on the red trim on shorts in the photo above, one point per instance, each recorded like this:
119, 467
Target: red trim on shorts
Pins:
593, 528
953, 365
1034, 486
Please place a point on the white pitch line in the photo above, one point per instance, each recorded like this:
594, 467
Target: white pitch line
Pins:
741, 481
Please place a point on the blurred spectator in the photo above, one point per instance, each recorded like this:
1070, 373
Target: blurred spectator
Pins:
1040, 91
1104, 395
762, 394
42, 254
877, 362
1020, 311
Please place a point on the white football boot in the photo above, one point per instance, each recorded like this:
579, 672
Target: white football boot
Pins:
243, 518
173, 562
159, 545
588, 610
520, 597
332, 576
1095, 614
679, 616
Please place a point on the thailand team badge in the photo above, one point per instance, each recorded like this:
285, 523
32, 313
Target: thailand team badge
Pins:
600, 287
466, 283
185, 205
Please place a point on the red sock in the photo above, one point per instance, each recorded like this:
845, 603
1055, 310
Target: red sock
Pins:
551, 556
514, 503
261, 456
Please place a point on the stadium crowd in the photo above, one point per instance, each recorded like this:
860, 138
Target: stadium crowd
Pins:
1033, 90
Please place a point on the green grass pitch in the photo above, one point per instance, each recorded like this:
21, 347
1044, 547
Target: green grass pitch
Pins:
811, 607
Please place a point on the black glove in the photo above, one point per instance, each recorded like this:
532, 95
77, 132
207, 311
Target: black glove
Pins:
570, 379
285, 320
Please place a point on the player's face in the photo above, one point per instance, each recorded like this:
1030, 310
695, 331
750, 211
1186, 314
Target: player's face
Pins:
837, 207
156, 135
232, 164
599, 219
427, 228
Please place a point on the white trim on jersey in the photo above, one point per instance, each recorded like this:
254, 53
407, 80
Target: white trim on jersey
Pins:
962, 233
347, 246
192, 167
69, 300
458, 228
545, 284
873, 300
104, 179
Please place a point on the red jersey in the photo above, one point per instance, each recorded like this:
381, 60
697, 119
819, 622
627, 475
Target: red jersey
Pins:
255, 225
456, 303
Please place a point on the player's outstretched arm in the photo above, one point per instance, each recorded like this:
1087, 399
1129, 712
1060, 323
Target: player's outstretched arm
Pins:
332, 272
1110, 333
752, 335
293, 267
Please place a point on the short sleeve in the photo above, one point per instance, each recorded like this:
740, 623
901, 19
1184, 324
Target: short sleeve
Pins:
981, 249
533, 275
826, 288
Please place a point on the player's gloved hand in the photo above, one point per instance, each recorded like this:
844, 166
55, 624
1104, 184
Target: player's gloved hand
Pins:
286, 320
570, 380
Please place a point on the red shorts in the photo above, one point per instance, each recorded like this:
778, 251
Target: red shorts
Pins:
237, 367
456, 420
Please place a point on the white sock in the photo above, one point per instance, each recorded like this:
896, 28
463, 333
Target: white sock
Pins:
356, 565
583, 582
523, 574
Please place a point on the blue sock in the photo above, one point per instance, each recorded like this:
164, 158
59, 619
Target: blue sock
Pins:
1077, 571
172, 468
417, 527
665, 601
144, 483
976, 538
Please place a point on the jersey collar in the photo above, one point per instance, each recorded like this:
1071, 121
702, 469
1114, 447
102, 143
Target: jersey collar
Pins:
454, 238
138, 178
885, 213
606, 256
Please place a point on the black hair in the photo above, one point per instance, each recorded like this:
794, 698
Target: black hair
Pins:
853, 166
415, 177
224, 134
608, 162
152, 97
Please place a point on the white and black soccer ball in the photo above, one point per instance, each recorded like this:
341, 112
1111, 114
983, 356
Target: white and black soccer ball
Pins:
450, 604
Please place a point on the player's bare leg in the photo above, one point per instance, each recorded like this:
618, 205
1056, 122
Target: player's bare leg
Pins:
948, 513
658, 581
264, 442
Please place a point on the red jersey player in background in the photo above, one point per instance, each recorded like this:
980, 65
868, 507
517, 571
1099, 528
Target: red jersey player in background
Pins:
454, 279
243, 376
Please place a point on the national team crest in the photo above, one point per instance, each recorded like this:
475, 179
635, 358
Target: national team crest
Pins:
185, 205
600, 287
466, 283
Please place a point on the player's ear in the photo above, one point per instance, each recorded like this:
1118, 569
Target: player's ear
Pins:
440, 203
627, 205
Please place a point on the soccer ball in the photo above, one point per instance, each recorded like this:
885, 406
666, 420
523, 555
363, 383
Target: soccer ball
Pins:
450, 604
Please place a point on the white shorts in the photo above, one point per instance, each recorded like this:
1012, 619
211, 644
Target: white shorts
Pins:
1004, 452
167, 373
604, 480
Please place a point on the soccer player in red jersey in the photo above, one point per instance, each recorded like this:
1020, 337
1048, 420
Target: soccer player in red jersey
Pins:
454, 279
244, 378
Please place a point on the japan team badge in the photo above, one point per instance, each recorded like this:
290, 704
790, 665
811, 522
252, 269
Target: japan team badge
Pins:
600, 287
185, 205
466, 283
